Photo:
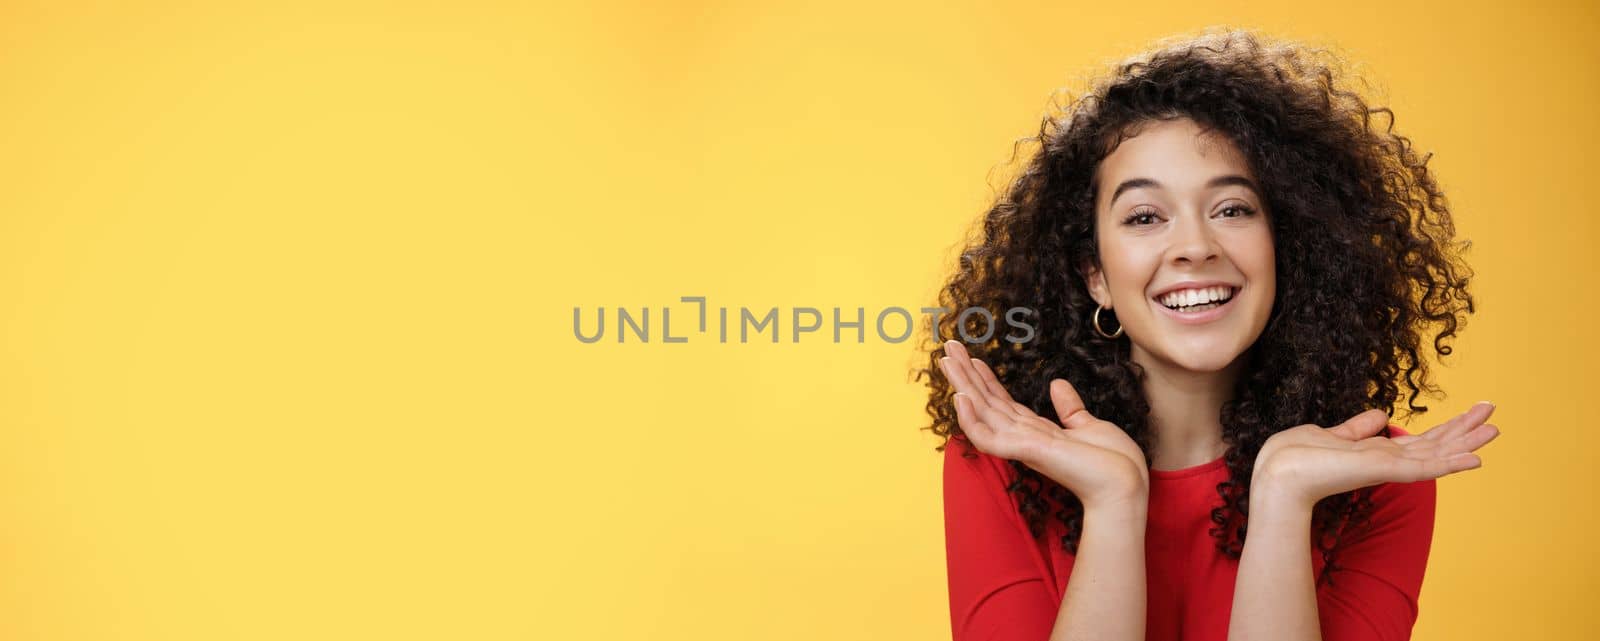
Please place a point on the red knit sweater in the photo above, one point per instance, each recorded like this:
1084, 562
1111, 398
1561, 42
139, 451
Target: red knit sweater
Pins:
1007, 585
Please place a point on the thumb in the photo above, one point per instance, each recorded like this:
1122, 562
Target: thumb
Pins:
1069, 406
1363, 425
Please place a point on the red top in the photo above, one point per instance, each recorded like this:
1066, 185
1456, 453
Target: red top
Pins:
1005, 584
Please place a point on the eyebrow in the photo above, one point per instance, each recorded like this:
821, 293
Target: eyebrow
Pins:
1219, 181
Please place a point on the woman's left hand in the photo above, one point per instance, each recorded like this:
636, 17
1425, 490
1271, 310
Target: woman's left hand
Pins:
1307, 463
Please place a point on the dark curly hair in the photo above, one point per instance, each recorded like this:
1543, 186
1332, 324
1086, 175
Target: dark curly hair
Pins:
1366, 264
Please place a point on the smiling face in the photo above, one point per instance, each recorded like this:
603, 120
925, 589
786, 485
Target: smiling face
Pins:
1180, 222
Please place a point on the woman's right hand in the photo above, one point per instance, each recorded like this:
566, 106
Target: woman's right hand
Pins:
1093, 458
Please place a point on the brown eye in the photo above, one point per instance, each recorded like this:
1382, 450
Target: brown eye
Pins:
1240, 210
1140, 217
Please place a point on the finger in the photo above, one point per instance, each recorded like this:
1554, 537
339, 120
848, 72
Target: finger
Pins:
1436, 432
1471, 441
1466, 441
1411, 470
990, 381
984, 435
974, 394
966, 415
1474, 416
1470, 419
1422, 470
958, 377
954, 349
976, 431
998, 391
993, 411
1482, 436
1464, 462
1068, 405
960, 367
1363, 425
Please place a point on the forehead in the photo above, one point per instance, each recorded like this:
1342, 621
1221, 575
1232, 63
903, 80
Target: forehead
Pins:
1176, 153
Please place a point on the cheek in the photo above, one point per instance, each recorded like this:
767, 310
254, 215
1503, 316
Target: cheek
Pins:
1267, 259
1254, 253
1259, 262
1128, 271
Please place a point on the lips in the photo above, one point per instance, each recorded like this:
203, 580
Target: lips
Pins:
1199, 318
1194, 284
1228, 293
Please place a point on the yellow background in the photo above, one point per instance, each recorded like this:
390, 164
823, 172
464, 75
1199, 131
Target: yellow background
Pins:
287, 293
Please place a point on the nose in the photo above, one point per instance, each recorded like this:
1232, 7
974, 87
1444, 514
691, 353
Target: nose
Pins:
1193, 242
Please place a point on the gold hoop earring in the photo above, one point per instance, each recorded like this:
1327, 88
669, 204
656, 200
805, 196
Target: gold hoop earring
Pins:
1101, 331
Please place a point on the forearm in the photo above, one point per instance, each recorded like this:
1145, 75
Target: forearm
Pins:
1274, 596
1105, 595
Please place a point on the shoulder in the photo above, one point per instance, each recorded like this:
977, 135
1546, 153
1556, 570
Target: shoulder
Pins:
1401, 509
1420, 494
978, 501
1376, 577
963, 460
1396, 430
973, 475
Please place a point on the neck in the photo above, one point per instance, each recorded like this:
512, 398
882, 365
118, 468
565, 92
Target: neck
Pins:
1185, 411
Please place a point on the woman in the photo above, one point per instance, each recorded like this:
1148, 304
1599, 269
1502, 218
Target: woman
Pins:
1232, 267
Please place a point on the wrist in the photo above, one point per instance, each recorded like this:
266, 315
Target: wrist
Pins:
1269, 499
1272, 486
1133, 505
1125, 524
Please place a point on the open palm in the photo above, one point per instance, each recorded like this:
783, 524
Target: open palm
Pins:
1312, 462
1093, 458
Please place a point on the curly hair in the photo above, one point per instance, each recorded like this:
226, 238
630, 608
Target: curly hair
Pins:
1366, 264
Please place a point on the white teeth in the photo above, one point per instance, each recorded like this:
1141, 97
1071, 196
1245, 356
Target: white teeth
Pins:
1199, 296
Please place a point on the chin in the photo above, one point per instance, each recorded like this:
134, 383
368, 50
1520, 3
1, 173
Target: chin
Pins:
1205, 363
1201, 355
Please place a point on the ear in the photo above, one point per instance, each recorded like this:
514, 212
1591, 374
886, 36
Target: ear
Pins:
1096, 281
